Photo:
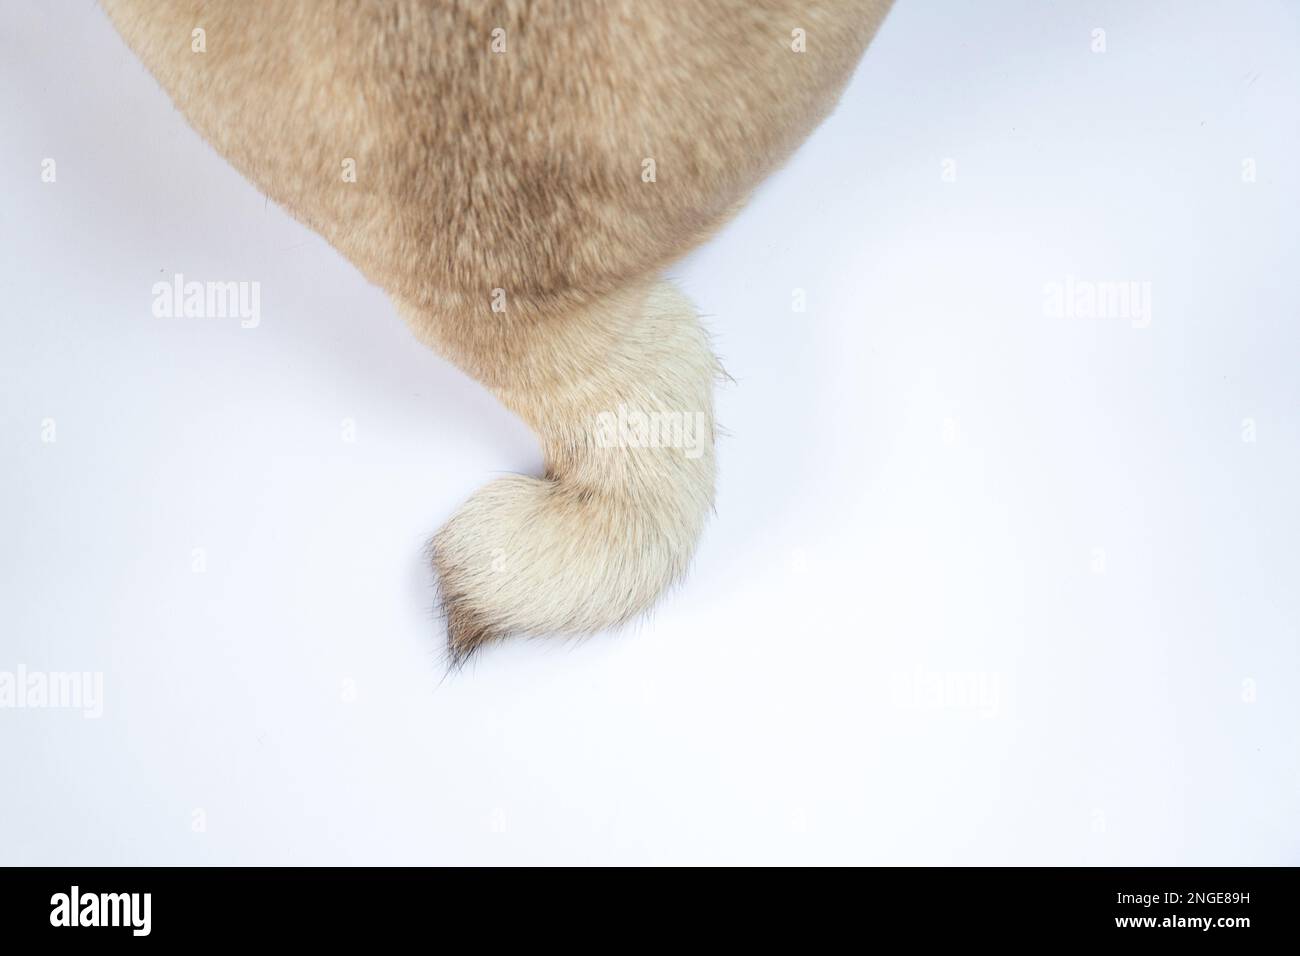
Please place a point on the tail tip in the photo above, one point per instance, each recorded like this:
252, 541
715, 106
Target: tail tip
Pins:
467, 628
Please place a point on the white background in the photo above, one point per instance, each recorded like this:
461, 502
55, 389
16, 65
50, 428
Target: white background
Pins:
926, 478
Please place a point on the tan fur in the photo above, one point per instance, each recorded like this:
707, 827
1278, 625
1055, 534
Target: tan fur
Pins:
515, 179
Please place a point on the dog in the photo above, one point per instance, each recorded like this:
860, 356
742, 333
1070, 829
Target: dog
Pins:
516, 175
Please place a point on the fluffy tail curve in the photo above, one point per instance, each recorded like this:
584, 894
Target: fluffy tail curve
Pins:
622, 400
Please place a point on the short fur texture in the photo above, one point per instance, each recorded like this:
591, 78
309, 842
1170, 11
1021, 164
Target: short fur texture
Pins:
501, 197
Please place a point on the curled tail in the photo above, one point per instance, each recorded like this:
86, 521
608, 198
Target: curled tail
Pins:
621, 396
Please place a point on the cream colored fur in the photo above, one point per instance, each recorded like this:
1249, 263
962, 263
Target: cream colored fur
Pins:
502, 198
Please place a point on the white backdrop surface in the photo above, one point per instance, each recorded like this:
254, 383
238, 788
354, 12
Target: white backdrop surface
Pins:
986, 583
